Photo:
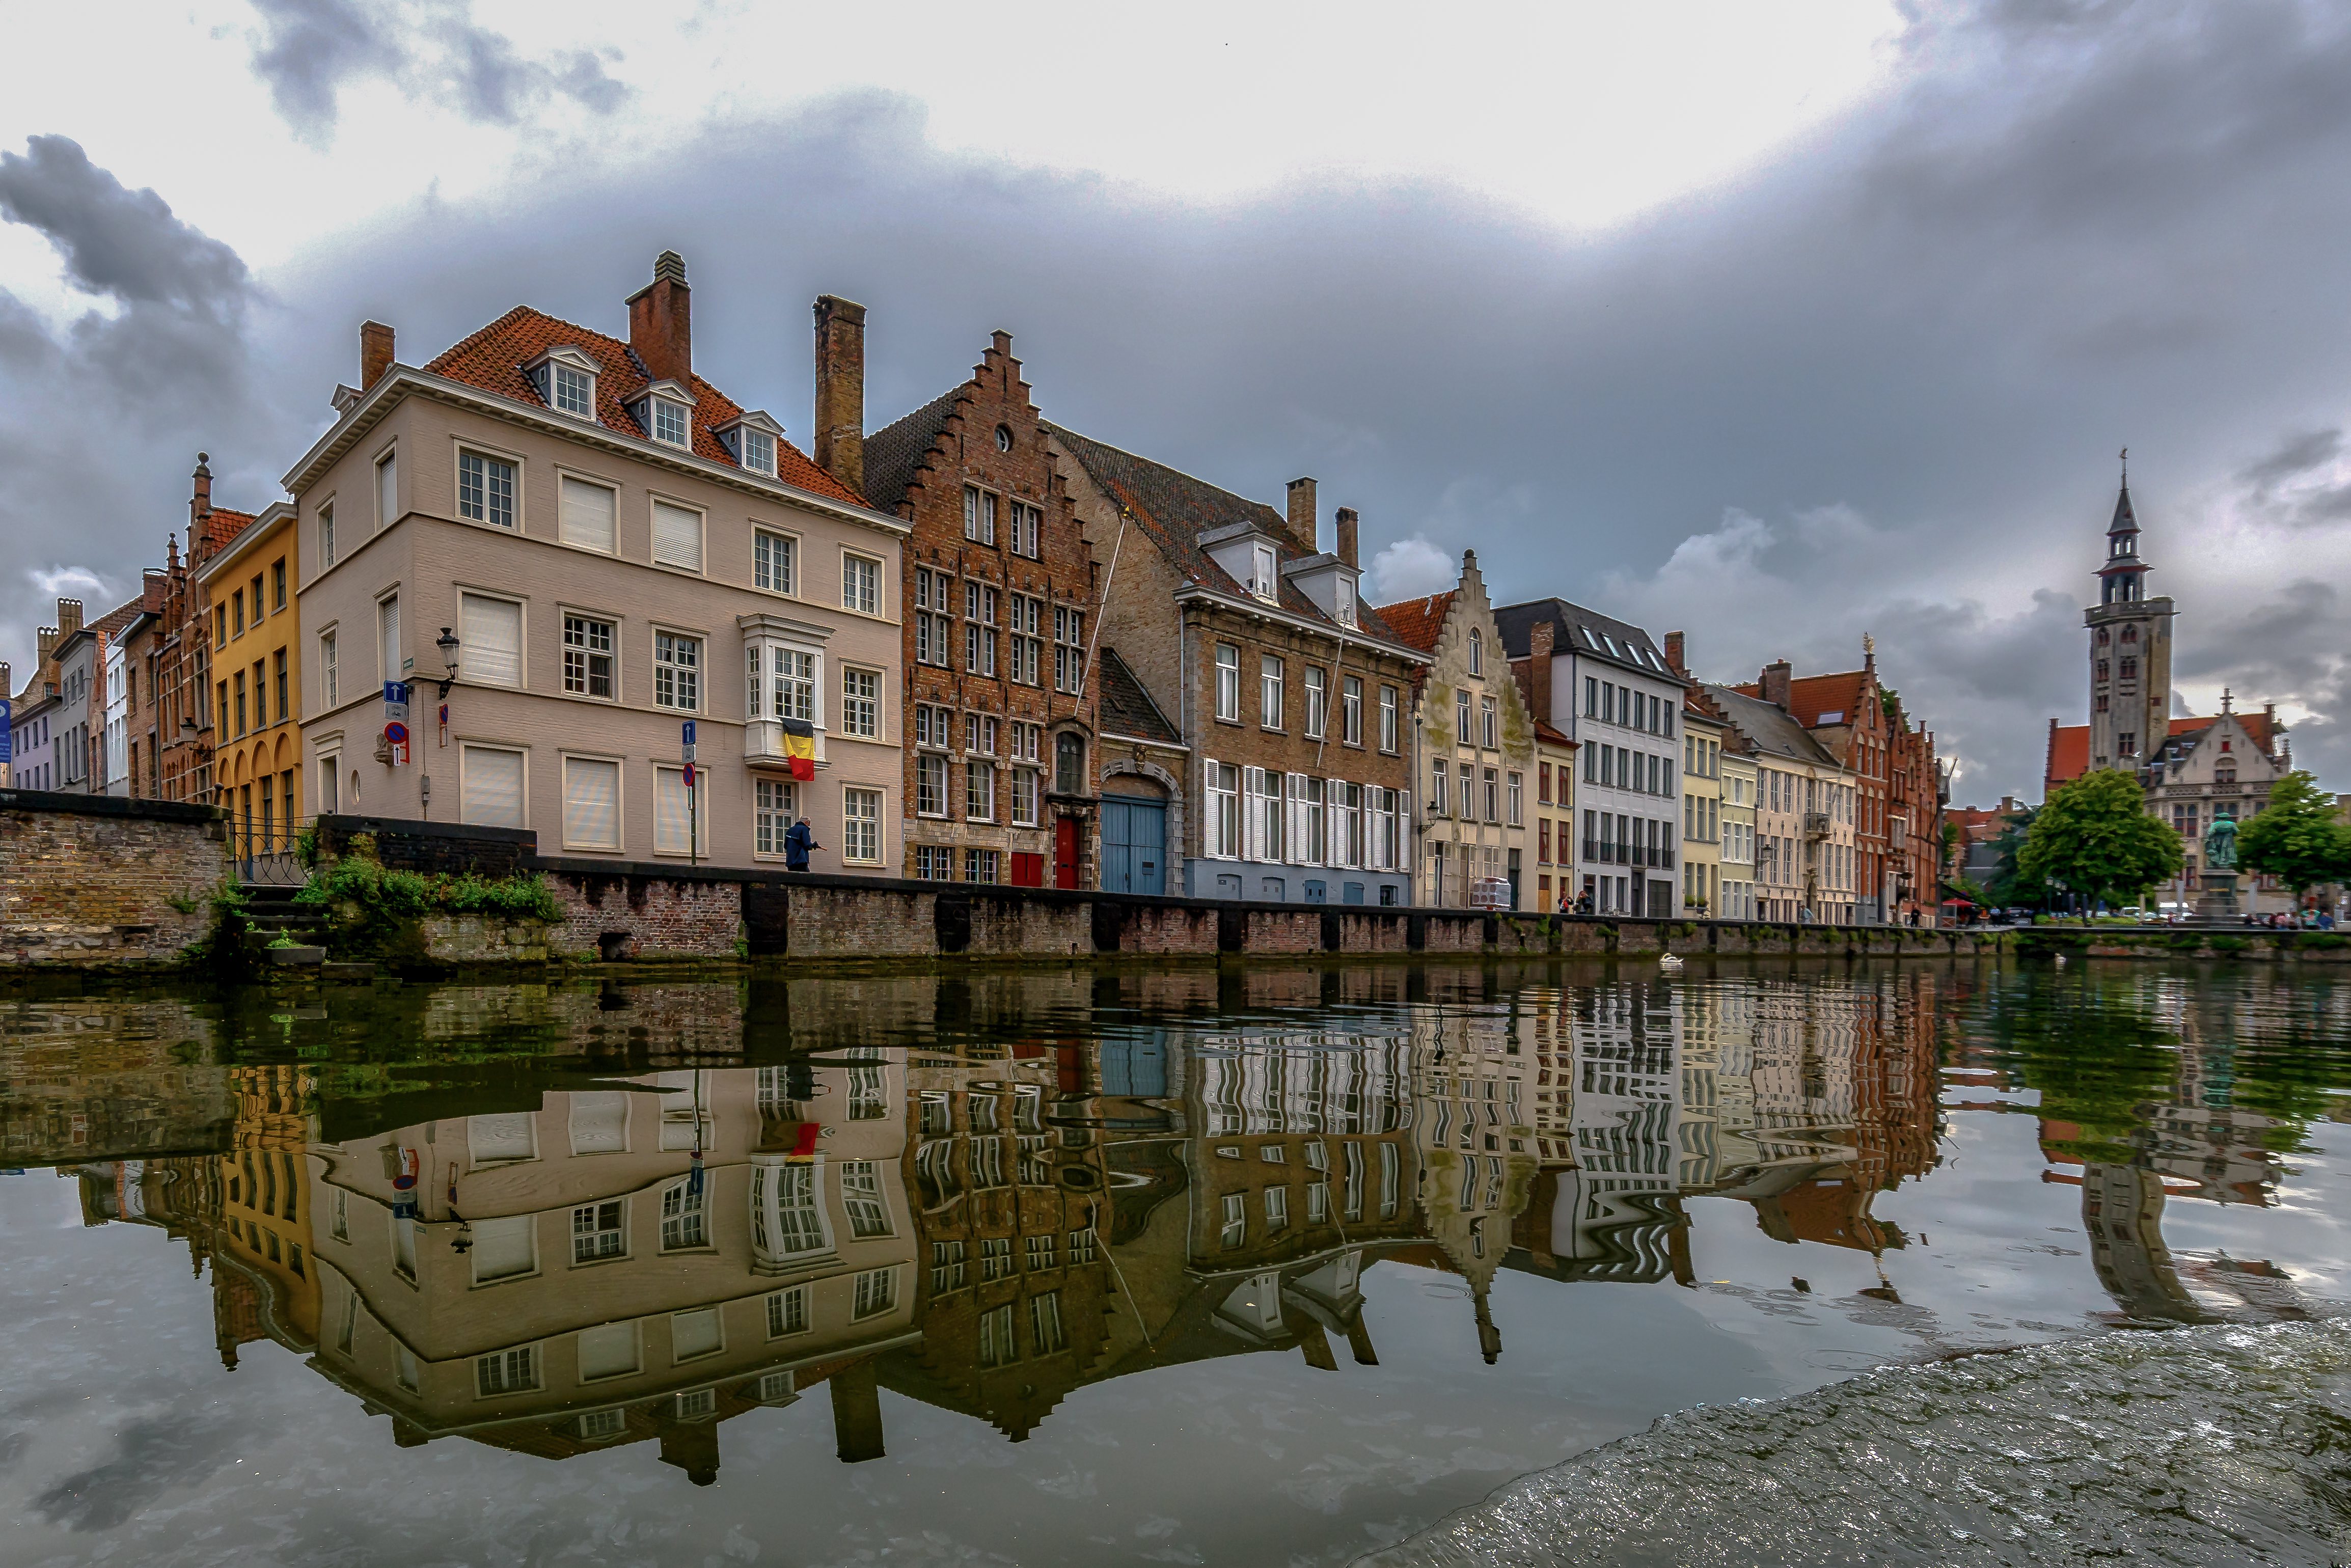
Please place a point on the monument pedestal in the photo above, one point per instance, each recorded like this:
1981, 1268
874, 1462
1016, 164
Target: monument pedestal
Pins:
2218, 898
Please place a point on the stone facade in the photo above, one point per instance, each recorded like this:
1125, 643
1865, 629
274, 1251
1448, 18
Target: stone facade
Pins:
1000, 603
97, 882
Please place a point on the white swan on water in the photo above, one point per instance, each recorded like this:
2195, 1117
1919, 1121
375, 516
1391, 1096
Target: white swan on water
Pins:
1670, 963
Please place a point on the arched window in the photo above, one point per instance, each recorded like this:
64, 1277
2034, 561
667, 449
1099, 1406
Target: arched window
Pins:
1477, 651
2226, 772
2104, 636
1069, 763
2130, 634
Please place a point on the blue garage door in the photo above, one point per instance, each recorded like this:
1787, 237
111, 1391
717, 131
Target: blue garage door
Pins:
1134, 845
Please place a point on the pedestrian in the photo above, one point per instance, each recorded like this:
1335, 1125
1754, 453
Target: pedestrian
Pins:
798, 841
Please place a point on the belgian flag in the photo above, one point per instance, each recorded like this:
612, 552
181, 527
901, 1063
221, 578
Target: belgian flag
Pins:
800, 746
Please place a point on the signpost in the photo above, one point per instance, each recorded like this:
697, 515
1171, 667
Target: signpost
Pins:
8, 736
395, 722
693, 826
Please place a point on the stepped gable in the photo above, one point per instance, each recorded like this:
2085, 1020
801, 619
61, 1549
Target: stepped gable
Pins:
492, 360
894, 453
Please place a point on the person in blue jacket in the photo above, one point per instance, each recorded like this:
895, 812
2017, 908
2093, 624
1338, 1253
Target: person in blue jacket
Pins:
798, 840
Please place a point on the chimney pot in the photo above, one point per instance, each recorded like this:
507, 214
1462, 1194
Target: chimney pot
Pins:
1777, 676
661, 322
840, 389
68, 617
1347, 529
1541, 640
1302, 523
1674, 654
375, 353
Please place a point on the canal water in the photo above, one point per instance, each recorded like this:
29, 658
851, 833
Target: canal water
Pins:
1460, 1264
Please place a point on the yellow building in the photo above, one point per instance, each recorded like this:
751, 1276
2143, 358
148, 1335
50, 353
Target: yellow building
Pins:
1702, 735
256, 683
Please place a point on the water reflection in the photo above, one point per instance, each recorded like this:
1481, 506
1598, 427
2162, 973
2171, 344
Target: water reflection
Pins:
558, 1221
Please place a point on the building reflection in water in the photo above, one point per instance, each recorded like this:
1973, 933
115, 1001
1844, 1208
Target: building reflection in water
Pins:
1029, 1186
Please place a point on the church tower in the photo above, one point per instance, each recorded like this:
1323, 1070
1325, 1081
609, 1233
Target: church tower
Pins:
2131, 652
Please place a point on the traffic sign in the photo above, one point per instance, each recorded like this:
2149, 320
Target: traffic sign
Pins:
396, 733
689, 742
689, 774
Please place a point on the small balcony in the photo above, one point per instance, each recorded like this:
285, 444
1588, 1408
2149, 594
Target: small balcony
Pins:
1816, 824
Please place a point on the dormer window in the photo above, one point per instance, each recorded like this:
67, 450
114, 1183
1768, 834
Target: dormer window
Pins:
662, 412
752, 438
1265, 580
669, 422
566, 378
1346, 613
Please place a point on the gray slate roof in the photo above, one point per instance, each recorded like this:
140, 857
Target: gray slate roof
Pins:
1585, 631
1774, 732
1126, 708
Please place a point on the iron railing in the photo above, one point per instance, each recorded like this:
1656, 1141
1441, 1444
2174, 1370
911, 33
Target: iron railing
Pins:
266, 850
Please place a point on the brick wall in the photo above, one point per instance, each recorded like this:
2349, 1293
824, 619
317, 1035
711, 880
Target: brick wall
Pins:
89, 881
610, 912
456, 848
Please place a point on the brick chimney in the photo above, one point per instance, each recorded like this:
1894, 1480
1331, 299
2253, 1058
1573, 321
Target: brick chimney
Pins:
199, 494
375, 352
1302, 524
1347, 535
1674, 654
1538, 657
44, 644
1773, 683
661, 321
68, 617
840, 389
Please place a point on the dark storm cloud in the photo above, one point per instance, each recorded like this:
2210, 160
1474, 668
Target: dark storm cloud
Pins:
307, 51
90, 415
1875, 386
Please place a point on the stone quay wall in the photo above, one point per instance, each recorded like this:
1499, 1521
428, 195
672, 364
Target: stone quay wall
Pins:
102, 881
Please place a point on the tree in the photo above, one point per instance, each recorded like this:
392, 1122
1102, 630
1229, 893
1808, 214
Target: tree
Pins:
2094, 836
2009, 886
2296, 838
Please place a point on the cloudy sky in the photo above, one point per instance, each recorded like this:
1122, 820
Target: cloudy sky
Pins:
1778, 324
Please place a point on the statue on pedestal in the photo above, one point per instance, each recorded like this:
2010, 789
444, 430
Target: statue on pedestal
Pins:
2218, 899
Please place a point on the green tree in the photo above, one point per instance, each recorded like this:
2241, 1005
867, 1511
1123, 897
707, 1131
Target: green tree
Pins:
2094, 836
2296, 838
2009, 885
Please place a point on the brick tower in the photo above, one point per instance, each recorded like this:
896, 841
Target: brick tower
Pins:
2130, 651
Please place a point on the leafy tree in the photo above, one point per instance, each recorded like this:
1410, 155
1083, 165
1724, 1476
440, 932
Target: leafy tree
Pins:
2096, 837
2009, 885
2296, 838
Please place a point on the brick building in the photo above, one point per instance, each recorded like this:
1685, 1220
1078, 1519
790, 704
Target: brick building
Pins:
999, 589
1291, 697
183, 677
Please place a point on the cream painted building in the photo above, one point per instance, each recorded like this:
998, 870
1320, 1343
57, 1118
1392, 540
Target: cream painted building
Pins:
1475, 744
1805, 865
573, 546
621, 1264
1737, 851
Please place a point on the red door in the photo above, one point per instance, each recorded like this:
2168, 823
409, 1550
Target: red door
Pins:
1065, 852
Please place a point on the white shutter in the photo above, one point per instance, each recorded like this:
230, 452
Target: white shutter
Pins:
599, 1123
503, 1246
1294, 818
1334, 823
490, 790
507, 1135
671, 824
592, 804
587, 519
387, 490
1252, 813
677, 537
491, 640
1211, 839
387, 616
607, 1350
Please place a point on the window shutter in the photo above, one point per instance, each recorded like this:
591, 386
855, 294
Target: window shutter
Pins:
586, 518
492, 788
505, 1135
1334, 823
1252, 821
1300, 852
388, 622
592, 803
599, 1123
671, 824
502, 1247
607, 1350
492, 631
677, 537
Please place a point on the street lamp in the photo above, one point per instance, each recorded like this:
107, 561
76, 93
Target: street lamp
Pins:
447, 643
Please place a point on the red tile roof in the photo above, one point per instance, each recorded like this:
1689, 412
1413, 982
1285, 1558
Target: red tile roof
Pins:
492, 360
2069, 744
1417, 621
216, 528
1549, 736
1810, 696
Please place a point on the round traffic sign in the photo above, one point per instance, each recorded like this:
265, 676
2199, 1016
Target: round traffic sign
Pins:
396, 733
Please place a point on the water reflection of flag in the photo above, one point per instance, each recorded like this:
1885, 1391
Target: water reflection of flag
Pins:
800, 746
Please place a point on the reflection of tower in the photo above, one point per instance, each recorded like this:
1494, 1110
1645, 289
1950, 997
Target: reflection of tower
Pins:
2121, 1212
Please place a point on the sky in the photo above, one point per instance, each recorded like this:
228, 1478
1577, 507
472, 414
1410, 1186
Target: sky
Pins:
1778, 324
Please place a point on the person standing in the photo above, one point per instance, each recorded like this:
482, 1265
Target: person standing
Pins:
798, 841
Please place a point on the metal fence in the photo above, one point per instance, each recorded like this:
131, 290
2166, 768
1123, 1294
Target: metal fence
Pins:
268, 849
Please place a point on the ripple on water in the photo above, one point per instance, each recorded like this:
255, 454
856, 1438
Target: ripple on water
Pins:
2205, 1446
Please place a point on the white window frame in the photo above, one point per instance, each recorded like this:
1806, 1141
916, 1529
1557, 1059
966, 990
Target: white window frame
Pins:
681, 413
325, 516
875, 729
745, 438
697, 806
522, 639
555, 371
1317, 681
385, 515
880, 822
700, 668
653, 504
388, 641
488, 455
931, 783
564, 616
790, 544
1228, 681
1272, 691
850, 560
330, 654
466, 749
787, 810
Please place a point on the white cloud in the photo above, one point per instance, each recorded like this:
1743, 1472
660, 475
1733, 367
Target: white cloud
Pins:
1411, 567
